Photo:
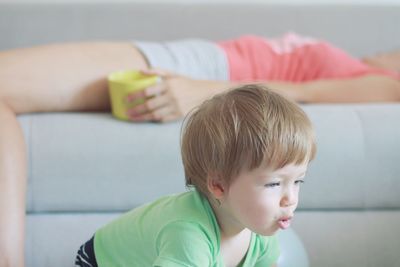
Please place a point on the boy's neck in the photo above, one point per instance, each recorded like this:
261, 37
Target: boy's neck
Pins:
234, 248
228, 228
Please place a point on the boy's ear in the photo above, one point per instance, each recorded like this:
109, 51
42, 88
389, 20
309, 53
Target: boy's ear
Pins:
216, 186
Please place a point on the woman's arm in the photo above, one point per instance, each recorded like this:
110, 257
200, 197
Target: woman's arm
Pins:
177, 95
370, 88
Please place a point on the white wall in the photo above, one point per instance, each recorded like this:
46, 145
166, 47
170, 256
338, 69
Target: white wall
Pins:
322, 2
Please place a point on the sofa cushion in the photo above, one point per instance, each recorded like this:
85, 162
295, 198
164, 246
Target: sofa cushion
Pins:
78, 161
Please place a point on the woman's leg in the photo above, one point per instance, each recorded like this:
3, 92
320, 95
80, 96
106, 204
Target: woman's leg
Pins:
12, 189
65, 77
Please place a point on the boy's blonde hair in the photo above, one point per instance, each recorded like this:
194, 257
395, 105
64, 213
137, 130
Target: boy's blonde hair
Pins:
242, 128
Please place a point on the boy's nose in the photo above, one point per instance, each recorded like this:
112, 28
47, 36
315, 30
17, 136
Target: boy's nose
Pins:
289, 198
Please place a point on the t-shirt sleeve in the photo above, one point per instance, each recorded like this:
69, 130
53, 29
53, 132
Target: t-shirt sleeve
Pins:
183, 244
270, 254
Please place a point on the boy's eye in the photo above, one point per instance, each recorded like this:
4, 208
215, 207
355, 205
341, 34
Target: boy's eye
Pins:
299, 182
272, 185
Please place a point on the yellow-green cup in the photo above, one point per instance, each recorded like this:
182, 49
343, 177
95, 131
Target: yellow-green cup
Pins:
123, 83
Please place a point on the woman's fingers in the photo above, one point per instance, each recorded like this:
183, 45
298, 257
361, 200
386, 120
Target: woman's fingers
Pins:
166, 101
159, 72
159, 108
162, 114
149, 92
150, 105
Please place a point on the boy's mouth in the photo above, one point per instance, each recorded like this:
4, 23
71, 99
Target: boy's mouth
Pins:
284, 222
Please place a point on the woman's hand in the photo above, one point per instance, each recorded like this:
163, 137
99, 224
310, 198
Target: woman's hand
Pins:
172, 98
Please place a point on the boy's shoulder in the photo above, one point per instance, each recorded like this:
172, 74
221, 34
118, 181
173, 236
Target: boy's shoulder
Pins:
187, 208
187, 228
174, 211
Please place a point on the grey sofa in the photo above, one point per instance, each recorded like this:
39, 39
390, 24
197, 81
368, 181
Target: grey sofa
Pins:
87, 168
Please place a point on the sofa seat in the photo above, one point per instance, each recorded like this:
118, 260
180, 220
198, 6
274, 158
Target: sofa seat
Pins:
86, 167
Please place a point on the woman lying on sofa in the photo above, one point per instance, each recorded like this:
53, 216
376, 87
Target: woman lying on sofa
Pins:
72, 77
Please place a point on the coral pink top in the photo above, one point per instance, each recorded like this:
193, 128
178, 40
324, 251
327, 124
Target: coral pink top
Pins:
291, 58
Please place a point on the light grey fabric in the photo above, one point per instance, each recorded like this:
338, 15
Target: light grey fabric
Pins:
67, 157
358, 155
350, 238
195, 58
357, 160
54, 239
359, 29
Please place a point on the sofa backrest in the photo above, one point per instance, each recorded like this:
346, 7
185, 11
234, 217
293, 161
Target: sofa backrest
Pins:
358, 28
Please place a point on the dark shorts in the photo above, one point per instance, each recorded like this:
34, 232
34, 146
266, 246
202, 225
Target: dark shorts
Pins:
85, 256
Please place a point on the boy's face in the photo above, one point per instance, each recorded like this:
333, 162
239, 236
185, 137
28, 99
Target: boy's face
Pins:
263, 200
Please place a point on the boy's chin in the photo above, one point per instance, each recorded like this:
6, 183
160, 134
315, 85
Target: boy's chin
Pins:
268, 232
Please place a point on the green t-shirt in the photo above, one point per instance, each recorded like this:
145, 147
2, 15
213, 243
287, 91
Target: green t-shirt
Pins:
177, 230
